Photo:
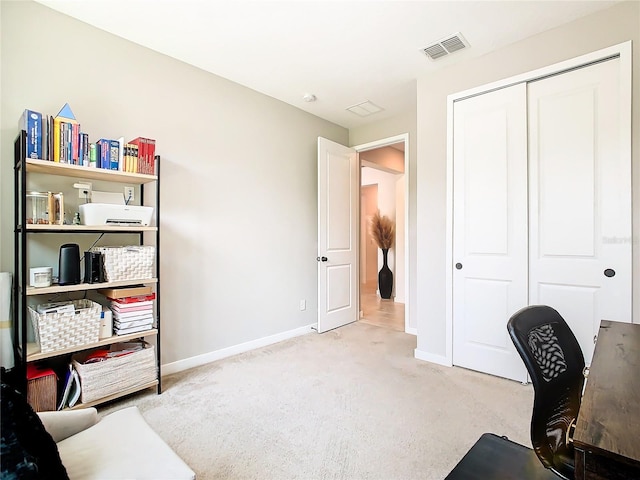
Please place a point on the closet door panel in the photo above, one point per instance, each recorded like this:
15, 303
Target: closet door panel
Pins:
489, 229
566, 172
579, 200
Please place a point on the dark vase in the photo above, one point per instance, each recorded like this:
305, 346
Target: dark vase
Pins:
385, 277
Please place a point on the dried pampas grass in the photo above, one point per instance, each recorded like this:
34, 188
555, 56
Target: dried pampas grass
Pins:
383, 230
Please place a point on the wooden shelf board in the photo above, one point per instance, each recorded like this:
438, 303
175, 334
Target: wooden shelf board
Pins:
89, 228
33, 351
90, 173
87, 286
123, 393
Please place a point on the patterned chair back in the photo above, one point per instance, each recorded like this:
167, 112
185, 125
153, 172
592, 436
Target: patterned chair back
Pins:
555, 364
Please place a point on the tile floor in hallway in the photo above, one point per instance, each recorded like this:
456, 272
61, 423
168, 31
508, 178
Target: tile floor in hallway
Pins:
379, 312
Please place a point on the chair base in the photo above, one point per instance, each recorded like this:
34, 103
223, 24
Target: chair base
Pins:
498, 458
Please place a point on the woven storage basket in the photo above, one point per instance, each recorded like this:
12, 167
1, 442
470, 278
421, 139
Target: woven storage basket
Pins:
127, 263
57, 331
101, 379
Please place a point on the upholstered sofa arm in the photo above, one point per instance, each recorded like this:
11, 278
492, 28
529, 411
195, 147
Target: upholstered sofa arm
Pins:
61, 425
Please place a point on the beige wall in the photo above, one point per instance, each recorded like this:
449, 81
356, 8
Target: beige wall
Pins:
385, 129
603, 29
238, 183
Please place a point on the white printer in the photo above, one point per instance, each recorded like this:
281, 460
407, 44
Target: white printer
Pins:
109, 208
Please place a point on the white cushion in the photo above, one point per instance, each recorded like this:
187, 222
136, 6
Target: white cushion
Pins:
121, 446
65, 423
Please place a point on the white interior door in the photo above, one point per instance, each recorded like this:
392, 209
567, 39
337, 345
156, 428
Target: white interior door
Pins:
489, 229
338, 195
580, 200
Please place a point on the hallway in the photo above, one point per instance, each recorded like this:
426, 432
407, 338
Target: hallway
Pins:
382, 313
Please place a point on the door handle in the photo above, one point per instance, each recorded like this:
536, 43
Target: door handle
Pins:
458, 266
609, 272
322, 259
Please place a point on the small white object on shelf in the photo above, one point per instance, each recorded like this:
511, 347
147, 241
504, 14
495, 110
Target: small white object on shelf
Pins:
106, 323
40, 276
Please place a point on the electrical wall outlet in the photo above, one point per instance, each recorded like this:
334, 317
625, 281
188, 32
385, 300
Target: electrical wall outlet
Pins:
84, 189
129, 195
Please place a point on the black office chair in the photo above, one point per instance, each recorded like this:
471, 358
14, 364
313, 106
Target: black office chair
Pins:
555, 364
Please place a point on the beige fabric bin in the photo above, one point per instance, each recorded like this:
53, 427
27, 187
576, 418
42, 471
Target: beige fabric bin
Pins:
114, 375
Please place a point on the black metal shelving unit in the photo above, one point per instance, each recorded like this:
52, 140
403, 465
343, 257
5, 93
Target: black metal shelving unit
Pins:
22, 230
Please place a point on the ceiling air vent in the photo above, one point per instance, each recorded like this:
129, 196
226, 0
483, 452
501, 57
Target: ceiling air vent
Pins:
365, 109
445, 46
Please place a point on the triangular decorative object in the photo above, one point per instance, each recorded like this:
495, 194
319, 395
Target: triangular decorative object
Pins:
66, 112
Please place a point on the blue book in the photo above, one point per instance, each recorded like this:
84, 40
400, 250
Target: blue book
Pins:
31, 122
103, 153
114, 154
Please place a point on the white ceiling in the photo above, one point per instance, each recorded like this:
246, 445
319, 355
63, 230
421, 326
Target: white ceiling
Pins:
344, 52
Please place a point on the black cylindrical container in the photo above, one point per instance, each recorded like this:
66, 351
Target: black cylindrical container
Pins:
69, 264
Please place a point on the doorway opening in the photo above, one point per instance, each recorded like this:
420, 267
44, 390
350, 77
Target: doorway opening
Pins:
383, 188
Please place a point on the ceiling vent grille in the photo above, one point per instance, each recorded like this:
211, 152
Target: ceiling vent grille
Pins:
445, 46
365, 109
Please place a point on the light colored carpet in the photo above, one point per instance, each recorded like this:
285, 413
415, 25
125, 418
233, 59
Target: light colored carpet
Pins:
352, 403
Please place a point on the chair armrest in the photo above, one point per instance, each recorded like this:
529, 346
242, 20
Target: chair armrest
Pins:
61, 425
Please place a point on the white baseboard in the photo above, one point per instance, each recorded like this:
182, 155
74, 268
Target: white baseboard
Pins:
191, 362
430, 357
412, 331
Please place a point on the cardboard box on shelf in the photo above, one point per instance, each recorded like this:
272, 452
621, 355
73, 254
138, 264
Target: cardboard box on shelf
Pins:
125, 291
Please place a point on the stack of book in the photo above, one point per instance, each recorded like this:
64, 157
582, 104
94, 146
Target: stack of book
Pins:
132, 314
140, 156
60, 139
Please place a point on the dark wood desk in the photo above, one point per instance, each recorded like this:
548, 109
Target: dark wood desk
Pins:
607, 435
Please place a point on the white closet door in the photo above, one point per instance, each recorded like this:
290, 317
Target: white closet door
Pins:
580, 200
489, 229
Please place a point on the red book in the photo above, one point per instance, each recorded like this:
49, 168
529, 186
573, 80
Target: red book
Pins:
141, 144
145, 163
133, 299
75, 144
151, 144
127, 303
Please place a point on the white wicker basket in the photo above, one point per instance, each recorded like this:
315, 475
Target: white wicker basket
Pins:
101, 379
57, 331
127, 263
